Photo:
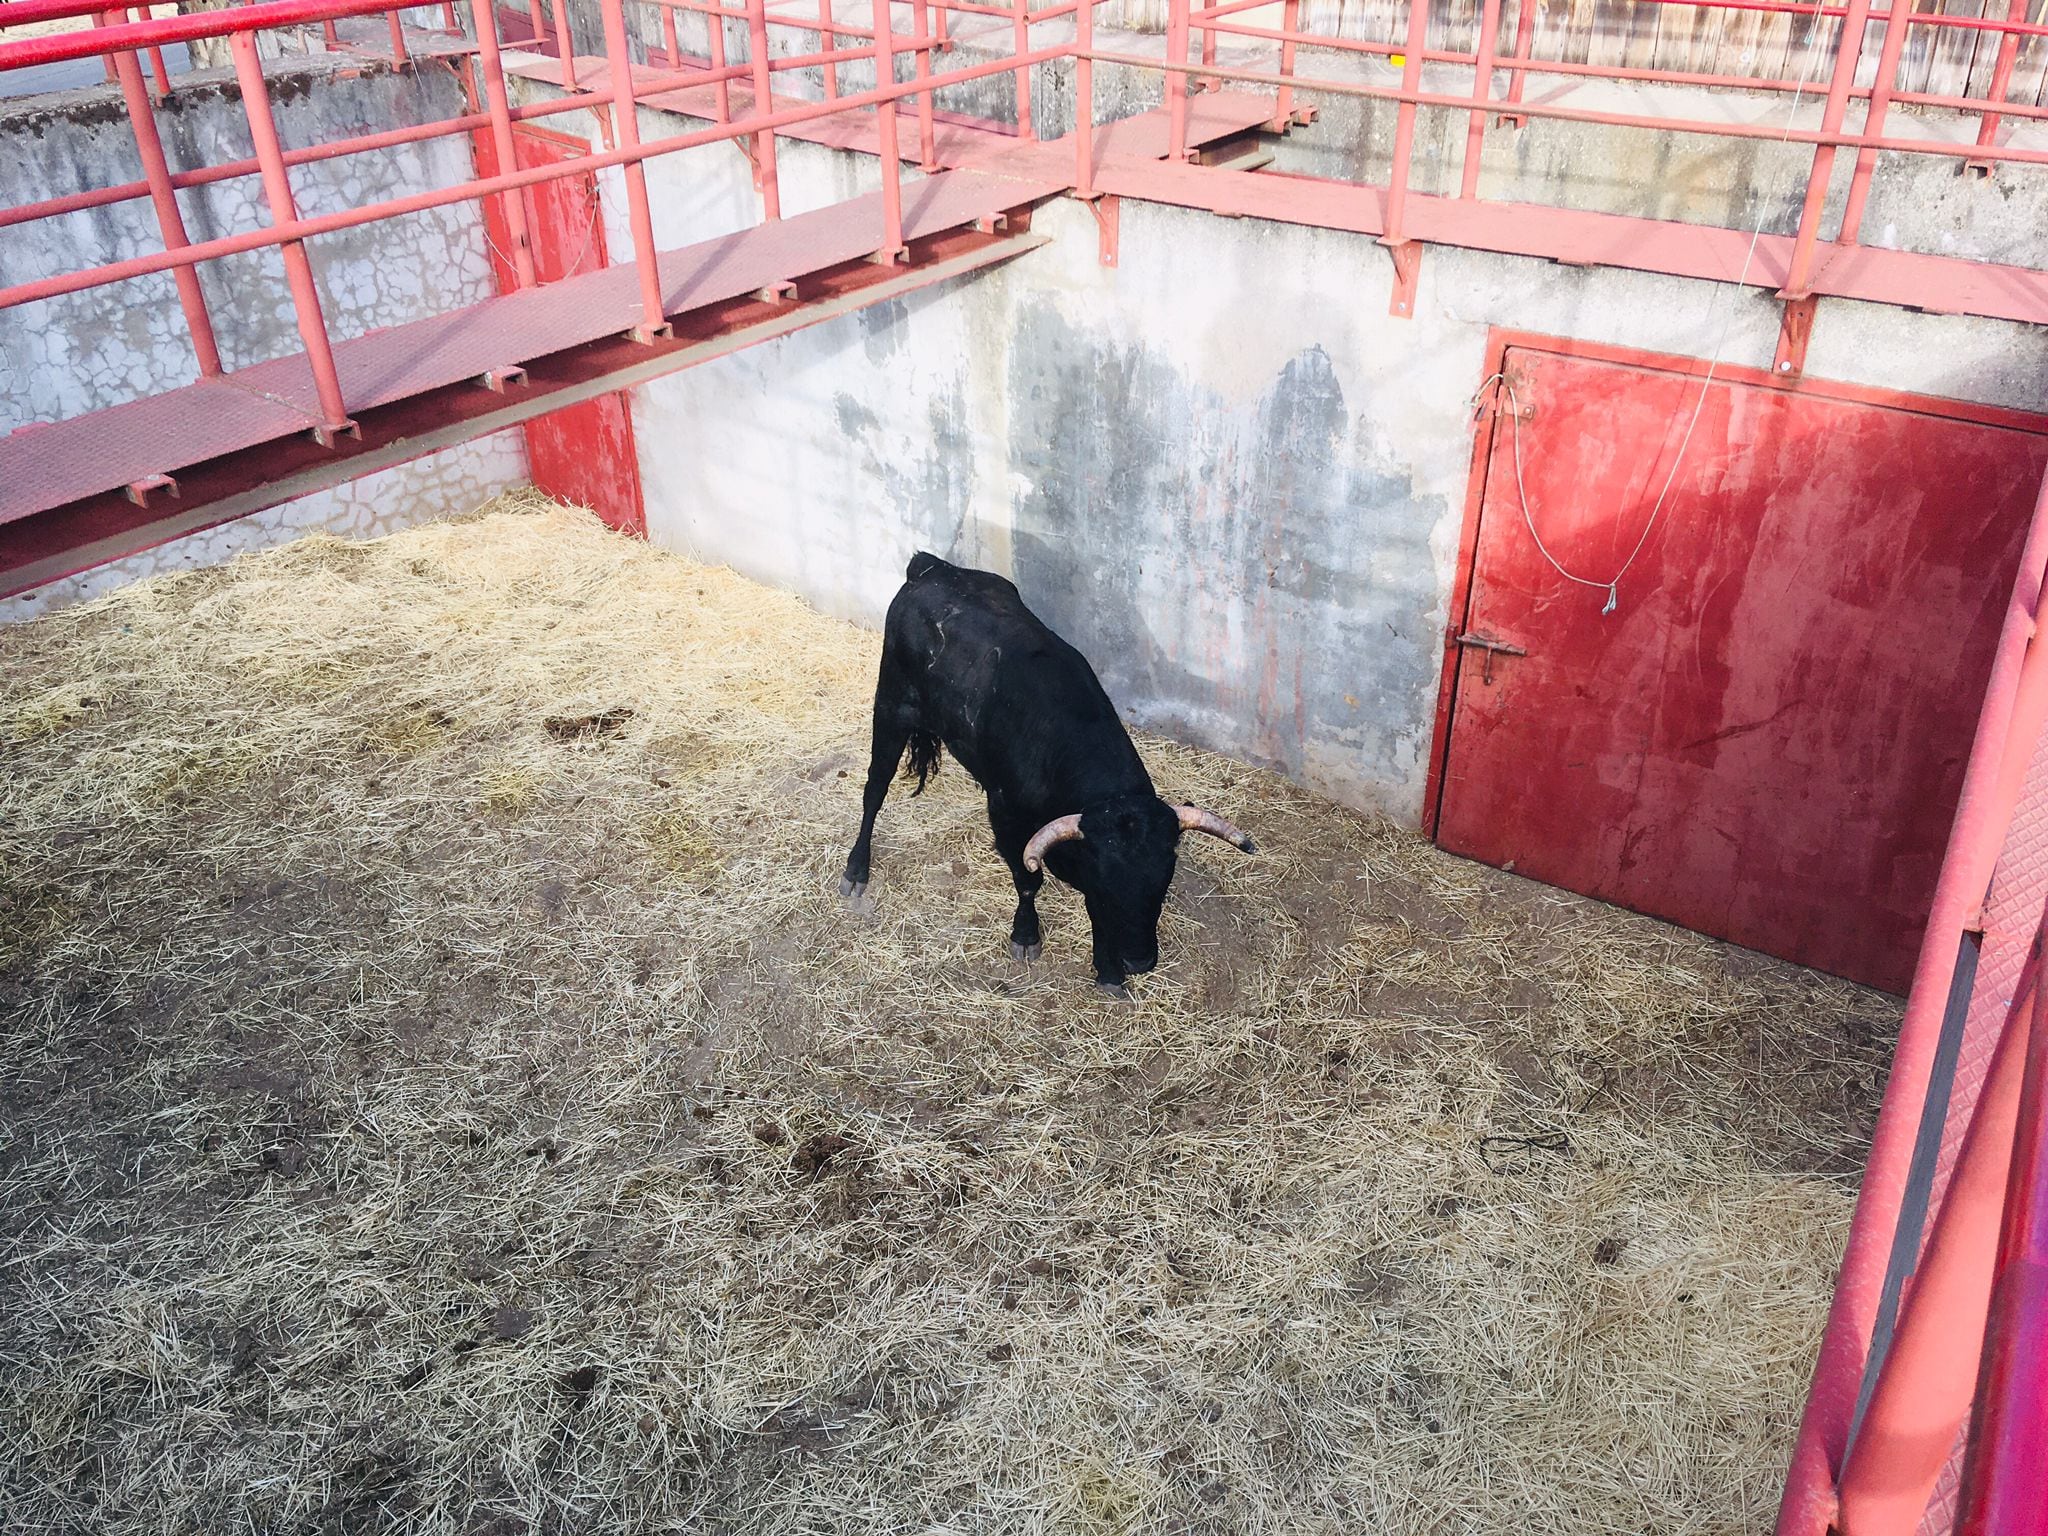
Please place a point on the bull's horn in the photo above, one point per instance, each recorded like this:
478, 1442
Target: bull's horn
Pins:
1059, 830
1193, 820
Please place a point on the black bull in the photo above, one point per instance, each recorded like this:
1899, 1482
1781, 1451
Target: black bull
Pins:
966, 665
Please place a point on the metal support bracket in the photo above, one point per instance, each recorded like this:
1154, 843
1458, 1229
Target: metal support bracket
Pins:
327, 436
783, 292
140, 491
499, 380
1107, 218
993, 224
891, 256
1795, 329
1407, 256
648, 335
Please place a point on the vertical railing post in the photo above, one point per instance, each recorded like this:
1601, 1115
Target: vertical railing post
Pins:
885, 113
1799, 275
1525, 38
157, 71
513, 203
1482, 90
671, 42
625, 128
618, 62
2001, 82
170, 221
714, 43
399, 57
828, 42
764, 103
1895, 32
1404, 124
1290, 23
1084, 98
298, 269
1176, 80
1208, 47
534, 22
927, 129
1021, 30
565, 46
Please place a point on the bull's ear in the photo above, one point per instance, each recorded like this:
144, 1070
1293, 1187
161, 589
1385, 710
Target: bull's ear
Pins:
1195, 820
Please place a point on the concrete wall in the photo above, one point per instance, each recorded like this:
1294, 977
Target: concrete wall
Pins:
105, 346
1221, 468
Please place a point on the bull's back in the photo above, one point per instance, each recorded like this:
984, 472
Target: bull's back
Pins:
976, 657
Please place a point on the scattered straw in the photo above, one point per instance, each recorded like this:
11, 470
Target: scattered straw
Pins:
419, 1117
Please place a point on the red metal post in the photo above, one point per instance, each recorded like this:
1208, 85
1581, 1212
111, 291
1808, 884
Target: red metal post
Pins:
448, 16
1209, 52
1923, 1390
885, 113
618, 58
1084, 99
565, 46
157, 71
170, 222
1025, 128
398, 53
298, 269
721, 93
1873, 118
513, 204
1800, 275
2001, 80
828, 41
1525, 37
536, 23
670, 42
1283, 102
927, 131
1404, 124
1482, 89
1176, 80
764, 103
2005, 1476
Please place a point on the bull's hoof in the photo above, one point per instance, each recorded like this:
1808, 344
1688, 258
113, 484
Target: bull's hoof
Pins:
853, 895
1027, 953
1115, 991
851, 888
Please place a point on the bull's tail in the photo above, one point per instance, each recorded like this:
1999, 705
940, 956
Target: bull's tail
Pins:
924, 759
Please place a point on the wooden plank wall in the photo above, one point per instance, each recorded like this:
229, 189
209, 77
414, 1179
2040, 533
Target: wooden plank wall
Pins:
1642, 33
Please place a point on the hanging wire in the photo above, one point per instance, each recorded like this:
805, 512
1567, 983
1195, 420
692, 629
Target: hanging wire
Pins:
1612, 585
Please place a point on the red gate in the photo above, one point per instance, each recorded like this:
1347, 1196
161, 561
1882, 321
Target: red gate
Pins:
583, 454
1764, 739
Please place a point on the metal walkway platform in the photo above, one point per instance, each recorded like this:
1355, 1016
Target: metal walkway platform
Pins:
76, 493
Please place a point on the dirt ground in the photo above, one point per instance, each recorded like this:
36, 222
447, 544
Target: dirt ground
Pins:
441, 1093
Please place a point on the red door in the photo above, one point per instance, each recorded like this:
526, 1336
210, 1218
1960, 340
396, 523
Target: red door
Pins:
582, 453
1764, 740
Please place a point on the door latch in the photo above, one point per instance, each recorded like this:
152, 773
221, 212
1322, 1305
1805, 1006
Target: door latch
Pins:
1492, 647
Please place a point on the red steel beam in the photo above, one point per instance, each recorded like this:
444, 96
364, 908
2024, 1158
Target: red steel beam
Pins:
886, 141
764, 100
1404, 122
1848, 49
2005, 1474
1924, 1387
512, 206
170, 221
298, 269
626, 124
2008, 727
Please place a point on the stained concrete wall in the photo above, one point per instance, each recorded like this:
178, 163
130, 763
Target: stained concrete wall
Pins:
1221, 467
87, 351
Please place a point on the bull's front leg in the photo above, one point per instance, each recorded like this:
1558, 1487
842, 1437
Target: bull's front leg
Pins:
1027, 939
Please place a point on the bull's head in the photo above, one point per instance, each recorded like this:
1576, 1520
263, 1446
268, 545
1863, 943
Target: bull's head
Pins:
1120, 856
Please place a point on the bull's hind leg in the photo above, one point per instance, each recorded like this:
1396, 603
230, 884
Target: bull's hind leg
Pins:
891, 736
